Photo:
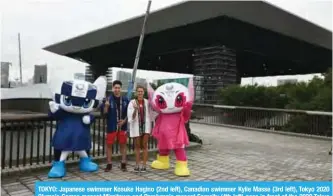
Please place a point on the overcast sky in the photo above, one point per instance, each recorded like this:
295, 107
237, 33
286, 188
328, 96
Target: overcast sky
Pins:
44, 22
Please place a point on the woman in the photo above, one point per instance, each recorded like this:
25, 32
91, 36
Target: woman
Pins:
138, 116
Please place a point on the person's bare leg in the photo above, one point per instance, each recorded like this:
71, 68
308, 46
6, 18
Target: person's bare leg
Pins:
137, 146
145, 139
145, 149
109, 153
122, 139
123, 149
108, 157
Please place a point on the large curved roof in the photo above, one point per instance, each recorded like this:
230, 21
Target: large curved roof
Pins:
258, 13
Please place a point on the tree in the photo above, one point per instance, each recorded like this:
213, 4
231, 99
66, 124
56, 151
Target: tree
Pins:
313, 95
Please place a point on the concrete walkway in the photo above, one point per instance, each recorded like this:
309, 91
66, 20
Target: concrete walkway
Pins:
227, 154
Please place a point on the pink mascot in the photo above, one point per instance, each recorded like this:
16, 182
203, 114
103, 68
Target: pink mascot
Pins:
172, 103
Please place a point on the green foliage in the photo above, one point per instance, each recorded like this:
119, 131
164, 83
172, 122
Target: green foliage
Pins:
256, 96
314, 95
328, 77
298, 124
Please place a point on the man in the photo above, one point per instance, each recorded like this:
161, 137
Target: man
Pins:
115, 109
138, 116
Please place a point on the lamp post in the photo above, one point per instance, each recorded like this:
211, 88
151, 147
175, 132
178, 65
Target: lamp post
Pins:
138, 52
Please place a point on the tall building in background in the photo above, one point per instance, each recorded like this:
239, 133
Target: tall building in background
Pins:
141, 81
199, 89
79, 76
90, 77
125, 78
216, 68
109, 77
5, 74
88, 74
40, 74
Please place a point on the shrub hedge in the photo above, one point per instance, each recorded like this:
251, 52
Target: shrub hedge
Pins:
313, 95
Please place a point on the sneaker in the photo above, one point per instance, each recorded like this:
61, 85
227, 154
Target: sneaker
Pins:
137, 169
123, 167
143, 169
108, 167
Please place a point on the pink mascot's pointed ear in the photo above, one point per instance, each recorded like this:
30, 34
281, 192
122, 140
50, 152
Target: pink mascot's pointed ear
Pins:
151, 92
190, 87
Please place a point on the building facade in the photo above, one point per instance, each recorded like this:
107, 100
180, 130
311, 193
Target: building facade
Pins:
286, 81
109, 77
5, 74
40, 74
215, 67
126, 77
79, 76
88, 74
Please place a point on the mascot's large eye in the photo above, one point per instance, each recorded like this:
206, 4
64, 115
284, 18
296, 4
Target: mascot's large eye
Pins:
160, 102
87, 103
180, 100
67, 101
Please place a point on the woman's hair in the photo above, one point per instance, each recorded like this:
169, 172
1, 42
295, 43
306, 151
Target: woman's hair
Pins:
139, 86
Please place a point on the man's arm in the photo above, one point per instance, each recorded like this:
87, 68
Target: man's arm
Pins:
105, 106
127, 105
126, 113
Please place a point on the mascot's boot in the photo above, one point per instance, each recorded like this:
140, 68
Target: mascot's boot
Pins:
162, 162
181, 168
58, 170
86, 165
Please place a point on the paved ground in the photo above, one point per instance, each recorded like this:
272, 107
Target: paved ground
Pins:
227, 154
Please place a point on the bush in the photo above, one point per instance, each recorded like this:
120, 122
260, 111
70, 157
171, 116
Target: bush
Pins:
314, 95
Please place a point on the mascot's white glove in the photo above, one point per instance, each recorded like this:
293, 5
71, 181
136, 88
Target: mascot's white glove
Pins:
53, 106
86, 119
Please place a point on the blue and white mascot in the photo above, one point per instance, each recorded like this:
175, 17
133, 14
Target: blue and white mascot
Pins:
72, 104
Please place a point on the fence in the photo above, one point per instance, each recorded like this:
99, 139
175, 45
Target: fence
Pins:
26, 140
297, 121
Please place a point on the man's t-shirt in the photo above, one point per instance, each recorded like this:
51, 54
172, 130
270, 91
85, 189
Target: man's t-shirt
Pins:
117, 101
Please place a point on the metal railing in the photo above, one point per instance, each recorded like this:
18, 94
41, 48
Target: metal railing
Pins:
26, 140
296, 121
